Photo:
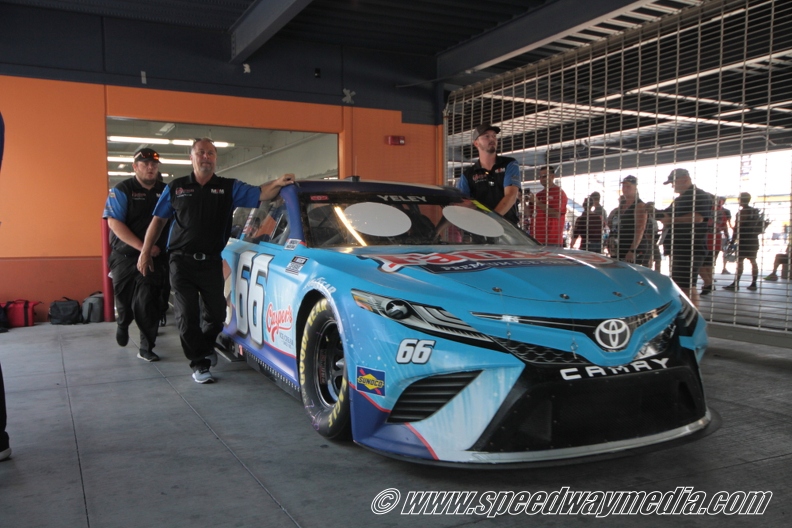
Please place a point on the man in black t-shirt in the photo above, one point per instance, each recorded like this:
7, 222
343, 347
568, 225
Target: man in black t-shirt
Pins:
128, 212
686, 221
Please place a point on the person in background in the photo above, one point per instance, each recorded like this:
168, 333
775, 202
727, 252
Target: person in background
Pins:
781, 259
202, 206
588, 228
128, 212
632, 247
493, 180
747, 228
686, 222
723, 220
715, 234
653, 237
548, 208
596, 206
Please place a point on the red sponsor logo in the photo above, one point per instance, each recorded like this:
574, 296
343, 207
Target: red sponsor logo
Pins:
391, 263
278, 320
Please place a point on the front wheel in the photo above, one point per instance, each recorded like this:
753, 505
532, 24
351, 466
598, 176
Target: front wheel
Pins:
323, 379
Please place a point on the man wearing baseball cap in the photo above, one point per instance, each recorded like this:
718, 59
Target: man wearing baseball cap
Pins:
686, 220
493, 180
128, 212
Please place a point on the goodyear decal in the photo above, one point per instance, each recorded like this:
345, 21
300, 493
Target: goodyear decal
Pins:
482, 259
371, 381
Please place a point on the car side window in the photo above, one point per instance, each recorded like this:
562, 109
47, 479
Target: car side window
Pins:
268, 223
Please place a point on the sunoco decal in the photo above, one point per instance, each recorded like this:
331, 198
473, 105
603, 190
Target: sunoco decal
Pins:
480, 259
371, 381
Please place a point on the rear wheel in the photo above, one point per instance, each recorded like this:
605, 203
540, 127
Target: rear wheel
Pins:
323, 380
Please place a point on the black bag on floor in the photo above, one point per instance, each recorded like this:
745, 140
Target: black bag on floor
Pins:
65, 312
93, 308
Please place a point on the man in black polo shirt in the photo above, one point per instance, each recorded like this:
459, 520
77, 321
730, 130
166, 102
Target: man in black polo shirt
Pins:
128, 212
493, 180
201, 205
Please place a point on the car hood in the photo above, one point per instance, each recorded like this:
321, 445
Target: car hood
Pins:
531, 274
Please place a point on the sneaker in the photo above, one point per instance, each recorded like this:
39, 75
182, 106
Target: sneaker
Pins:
5, 454
731, 287
163, 320
212, 358
752, 287
706, 290
725, 272
772, 277
148, 356
203, 376
122, 336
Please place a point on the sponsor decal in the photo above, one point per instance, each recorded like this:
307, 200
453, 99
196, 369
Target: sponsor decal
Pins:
181, 191
296, 265
217, 191
483, 259
112, 193
138, 196
322, 284
371, 381
396, 198
594, 371
292, 244
319, 198
278, 320
613, 334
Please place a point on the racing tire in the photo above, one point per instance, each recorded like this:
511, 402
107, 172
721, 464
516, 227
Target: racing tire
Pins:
323, 379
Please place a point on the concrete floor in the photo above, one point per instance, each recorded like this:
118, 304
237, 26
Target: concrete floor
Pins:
103, 439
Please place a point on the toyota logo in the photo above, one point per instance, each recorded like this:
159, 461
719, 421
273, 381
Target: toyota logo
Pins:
612, 334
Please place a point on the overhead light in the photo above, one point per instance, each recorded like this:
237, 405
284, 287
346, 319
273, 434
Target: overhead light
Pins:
127, 139
162, 141
189, 143
120, 173
164, 161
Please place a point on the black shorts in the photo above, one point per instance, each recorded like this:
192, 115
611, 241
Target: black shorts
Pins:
685, 264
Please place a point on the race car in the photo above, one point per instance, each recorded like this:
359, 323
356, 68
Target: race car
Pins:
424, 326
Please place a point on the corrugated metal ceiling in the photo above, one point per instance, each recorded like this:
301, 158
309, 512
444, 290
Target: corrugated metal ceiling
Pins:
422, 27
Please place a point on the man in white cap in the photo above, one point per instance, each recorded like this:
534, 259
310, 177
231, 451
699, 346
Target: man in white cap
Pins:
686, 220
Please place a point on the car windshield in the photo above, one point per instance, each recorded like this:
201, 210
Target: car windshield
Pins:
358, 219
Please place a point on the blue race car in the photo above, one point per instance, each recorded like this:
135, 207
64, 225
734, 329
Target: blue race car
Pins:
424, 326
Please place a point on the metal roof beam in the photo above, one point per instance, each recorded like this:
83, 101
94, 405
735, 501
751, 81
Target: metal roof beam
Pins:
530, 31
262, 20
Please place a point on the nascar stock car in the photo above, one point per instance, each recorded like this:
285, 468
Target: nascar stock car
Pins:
424, 326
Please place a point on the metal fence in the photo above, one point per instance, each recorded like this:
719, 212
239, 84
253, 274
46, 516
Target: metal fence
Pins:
708, 89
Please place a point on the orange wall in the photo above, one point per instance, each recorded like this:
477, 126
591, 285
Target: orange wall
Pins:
51, 198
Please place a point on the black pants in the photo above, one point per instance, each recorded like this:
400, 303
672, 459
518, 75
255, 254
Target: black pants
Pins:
138, 297
199, 305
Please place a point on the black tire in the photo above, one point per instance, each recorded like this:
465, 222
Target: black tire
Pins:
323, 378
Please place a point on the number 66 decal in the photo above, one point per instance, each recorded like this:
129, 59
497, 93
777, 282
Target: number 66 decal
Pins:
251, 278
415, 351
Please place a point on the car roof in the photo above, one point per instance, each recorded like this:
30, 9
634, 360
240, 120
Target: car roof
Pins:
330, 186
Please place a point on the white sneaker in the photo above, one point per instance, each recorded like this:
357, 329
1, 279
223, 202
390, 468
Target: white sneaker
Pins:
5, 454
203, 376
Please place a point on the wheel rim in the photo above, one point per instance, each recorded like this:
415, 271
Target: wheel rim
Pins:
329, 364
